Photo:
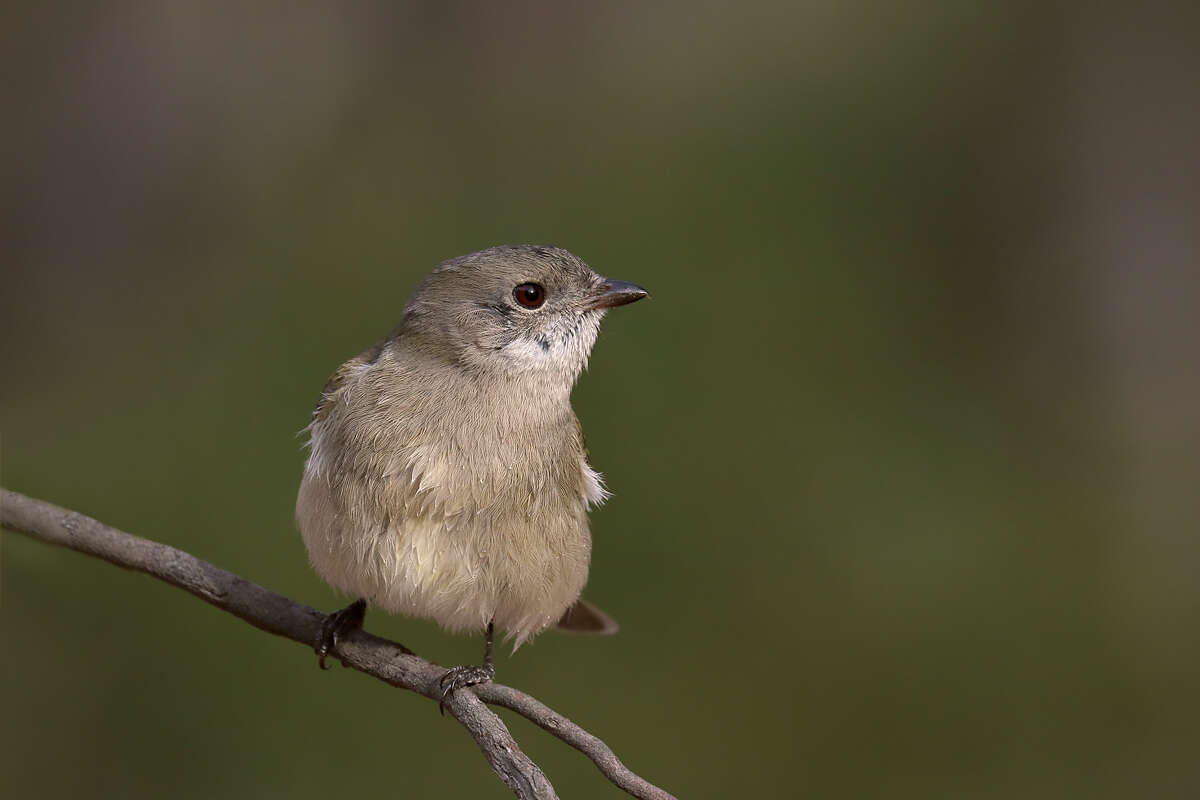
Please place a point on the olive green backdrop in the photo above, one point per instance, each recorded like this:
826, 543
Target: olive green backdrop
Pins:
904, 448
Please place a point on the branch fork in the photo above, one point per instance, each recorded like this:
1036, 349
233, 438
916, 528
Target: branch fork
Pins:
389, 662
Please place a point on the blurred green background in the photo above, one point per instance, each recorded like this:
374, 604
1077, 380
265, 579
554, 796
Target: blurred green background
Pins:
904, 450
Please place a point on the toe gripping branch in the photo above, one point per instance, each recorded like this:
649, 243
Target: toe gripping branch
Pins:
457, 678
337, 625
350, 618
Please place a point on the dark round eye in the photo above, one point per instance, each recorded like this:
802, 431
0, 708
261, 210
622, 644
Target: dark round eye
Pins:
530, 295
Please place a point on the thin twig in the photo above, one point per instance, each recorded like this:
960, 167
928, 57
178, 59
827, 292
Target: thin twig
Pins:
387, 661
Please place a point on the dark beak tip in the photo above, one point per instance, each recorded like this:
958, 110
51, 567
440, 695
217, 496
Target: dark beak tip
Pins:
619, 293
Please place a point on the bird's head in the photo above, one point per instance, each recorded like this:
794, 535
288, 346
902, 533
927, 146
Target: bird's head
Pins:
521, 311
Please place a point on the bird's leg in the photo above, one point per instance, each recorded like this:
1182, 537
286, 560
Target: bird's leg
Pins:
471, 675
338, 624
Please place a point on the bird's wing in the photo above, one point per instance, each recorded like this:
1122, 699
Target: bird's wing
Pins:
583, 617
338, 378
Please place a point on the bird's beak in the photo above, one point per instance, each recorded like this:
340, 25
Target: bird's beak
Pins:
616, 293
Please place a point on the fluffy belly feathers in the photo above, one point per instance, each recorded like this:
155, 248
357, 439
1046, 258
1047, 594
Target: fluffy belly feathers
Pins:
461, 547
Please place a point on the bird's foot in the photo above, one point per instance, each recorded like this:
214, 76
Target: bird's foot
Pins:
337, 625
460, 677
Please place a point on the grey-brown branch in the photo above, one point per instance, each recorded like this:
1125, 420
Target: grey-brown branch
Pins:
387, 661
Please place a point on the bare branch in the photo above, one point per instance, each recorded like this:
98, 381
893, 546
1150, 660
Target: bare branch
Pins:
387, 661
592, 746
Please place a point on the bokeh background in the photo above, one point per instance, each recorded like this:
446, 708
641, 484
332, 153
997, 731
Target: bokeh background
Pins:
905, 448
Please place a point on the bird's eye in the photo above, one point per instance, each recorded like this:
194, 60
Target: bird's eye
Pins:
530, 295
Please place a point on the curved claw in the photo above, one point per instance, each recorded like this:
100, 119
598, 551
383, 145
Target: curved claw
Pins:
337, 625
457, 678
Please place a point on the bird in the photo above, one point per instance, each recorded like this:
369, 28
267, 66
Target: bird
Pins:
447, 476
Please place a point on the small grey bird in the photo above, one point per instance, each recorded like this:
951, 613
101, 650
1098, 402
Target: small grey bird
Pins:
447, 476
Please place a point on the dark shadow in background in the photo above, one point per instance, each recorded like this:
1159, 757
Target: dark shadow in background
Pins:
911, 508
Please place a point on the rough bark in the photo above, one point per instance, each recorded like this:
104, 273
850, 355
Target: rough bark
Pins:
387, 661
